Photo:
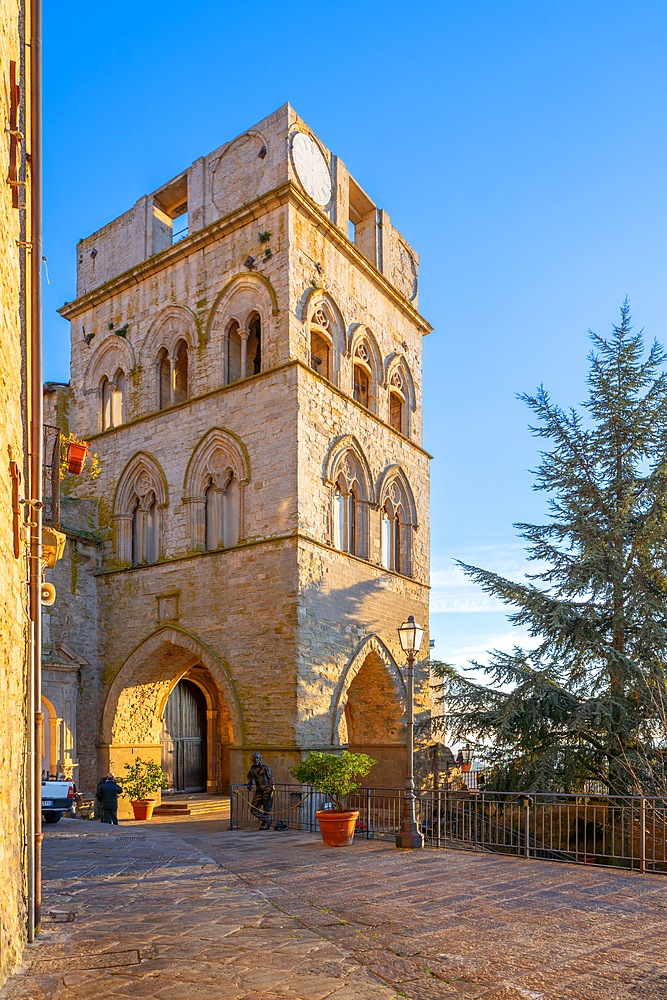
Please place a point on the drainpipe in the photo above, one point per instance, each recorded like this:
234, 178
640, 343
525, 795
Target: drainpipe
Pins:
34, 393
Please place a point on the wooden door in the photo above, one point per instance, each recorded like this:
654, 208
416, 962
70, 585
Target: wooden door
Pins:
184, 738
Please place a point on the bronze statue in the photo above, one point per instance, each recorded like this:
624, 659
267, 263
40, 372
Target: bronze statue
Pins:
261, 776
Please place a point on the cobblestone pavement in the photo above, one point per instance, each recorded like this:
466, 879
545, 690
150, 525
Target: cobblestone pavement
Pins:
189, 910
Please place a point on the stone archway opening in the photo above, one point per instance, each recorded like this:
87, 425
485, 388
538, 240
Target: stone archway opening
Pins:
143, 717
373, 722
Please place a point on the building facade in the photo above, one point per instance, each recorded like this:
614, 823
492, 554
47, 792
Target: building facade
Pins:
14, 610
246, 362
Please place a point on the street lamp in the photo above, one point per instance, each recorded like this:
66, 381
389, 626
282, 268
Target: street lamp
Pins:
410, 634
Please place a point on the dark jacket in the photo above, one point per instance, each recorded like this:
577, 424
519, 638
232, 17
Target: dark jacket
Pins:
261, 776
107, 794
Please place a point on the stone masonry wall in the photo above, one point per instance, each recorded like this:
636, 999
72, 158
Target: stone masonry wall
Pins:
13, 573
277, 619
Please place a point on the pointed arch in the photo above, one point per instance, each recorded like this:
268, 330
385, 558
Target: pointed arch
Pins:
402, 400
114, 352
133, 708
255, 286
357, 334
367, 369
240, 325
370, 645
214, 486
167, 357
398, 520
139, 503
348, 476
173, 323
394, 477
324, 333
344, 448
114, 355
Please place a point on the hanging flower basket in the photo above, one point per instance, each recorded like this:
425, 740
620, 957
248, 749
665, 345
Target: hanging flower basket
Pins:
73, 455
76, 456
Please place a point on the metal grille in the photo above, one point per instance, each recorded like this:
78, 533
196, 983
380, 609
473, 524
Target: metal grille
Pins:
621, 832
51, 476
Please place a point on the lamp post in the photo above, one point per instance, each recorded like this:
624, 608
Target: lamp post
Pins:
410, 634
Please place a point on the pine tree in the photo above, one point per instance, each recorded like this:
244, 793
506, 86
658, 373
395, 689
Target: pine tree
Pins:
590, 701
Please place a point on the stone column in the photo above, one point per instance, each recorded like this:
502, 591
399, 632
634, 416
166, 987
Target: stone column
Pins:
172, 379
197, 522
124, 538
244, 334
211, 751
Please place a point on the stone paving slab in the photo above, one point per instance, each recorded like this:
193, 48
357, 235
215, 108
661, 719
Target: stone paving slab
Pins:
183, 910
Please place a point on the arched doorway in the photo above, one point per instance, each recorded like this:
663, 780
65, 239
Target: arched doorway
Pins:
184, 738
133, 720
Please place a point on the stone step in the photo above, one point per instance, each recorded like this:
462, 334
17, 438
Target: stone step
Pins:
192, 807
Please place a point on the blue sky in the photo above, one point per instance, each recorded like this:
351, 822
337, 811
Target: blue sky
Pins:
519, 146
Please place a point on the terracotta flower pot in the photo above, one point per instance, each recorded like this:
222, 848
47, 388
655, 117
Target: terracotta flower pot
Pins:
466, 767
143, 808
337, 828
76, 456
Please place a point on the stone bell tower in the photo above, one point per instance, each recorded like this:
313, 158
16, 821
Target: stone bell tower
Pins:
246, 361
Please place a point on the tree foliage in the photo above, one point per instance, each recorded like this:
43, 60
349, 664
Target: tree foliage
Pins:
590, 701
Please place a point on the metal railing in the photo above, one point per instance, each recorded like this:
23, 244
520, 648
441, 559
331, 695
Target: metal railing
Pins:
623, 832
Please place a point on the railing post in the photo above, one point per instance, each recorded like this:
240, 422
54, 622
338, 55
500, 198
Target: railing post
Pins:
368, 813
642, 833
231, 808
439, 815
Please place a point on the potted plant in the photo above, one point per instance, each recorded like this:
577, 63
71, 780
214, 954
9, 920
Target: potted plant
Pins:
143, 779
334, 775
73, 454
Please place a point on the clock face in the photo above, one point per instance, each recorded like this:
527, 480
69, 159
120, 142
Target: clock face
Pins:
311, 168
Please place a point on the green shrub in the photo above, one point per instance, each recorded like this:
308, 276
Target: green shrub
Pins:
333, 774
143, 779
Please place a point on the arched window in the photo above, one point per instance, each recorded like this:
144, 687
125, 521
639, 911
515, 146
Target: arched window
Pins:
344, 518
397, 403
180, 391
106, 396
349, 479
363, 375
234, 353
213, 489
164, 379
398, 521
118, 399
254, 349
321, 344
141, 497
223, 513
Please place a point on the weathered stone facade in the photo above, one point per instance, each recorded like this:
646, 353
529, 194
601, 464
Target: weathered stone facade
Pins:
13, 569
254, 394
